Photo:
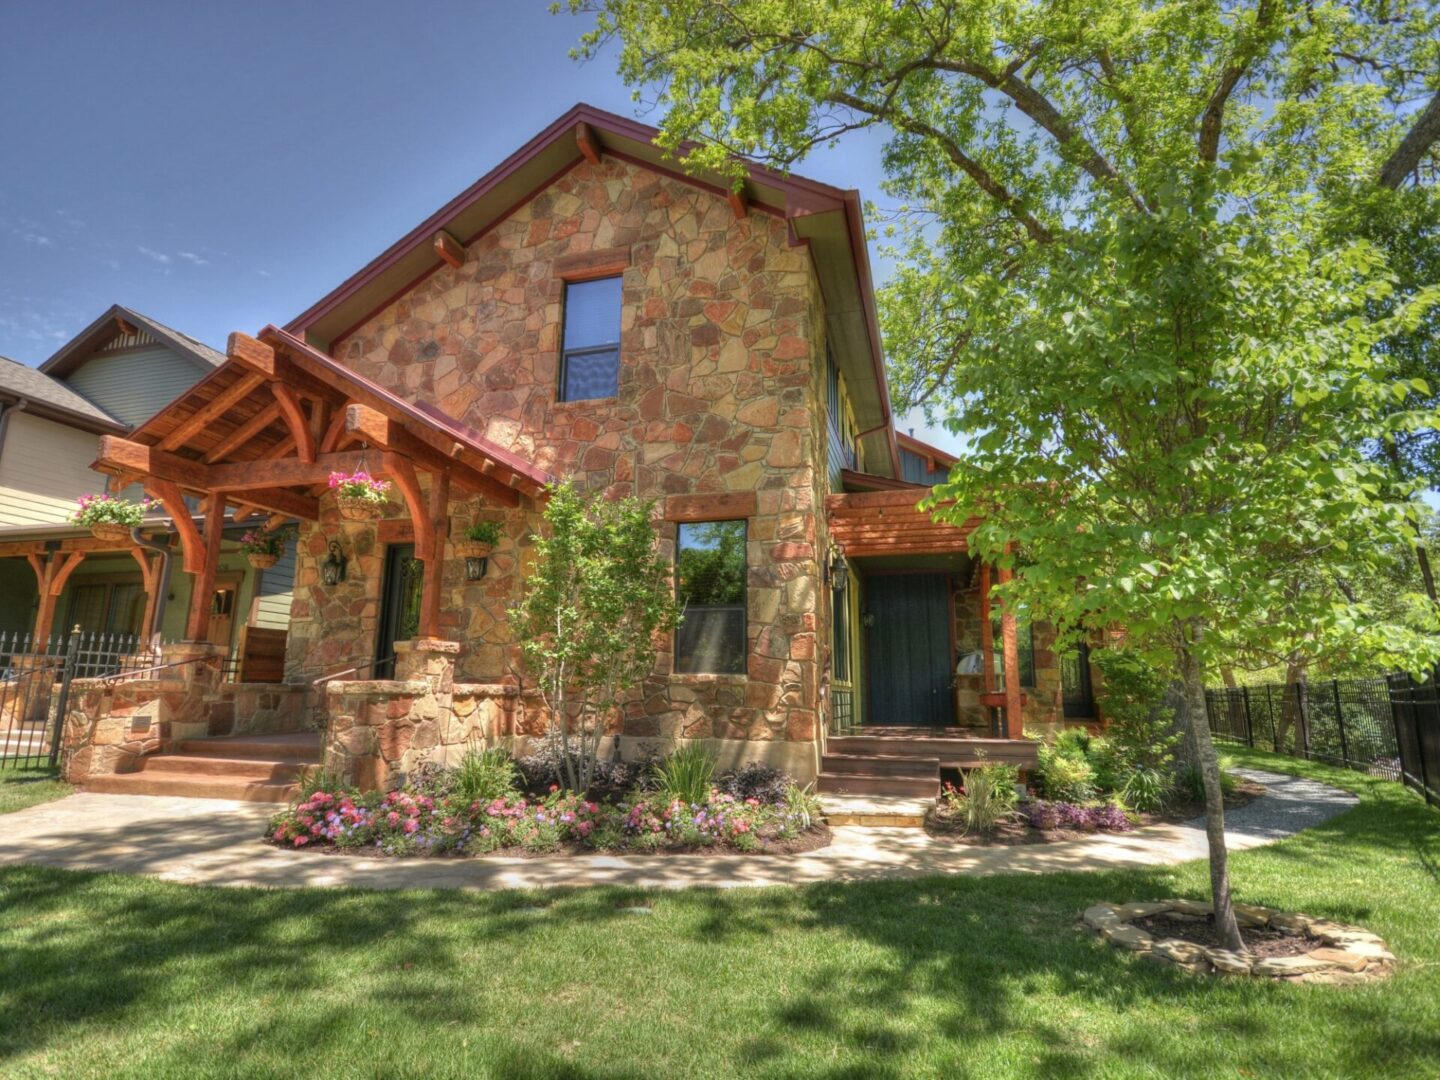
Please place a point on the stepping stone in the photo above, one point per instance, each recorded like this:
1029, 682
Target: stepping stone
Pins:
1182, 917
1191, 907
1341, 958
1335, 978
1253, 915
1372, 951
1288, 920
1143, 909
1227, 962
1290, 965
1128, 937
1100, 916
1180, 951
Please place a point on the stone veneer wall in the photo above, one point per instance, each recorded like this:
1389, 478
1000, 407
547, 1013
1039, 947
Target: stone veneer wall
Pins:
1043, 706
721, 362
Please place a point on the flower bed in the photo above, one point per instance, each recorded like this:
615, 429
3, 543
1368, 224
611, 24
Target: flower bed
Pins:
408, 822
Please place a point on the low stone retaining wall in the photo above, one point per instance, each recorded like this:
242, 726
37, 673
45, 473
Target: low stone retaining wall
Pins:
254, 709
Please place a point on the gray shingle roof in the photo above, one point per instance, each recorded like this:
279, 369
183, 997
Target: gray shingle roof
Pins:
24, 381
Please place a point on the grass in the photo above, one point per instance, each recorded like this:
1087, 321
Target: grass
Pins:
984, 977
20, 788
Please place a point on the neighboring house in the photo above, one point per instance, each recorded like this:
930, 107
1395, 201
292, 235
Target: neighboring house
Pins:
587, 311
114, 374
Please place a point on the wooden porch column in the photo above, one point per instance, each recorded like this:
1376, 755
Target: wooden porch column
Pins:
1010, 647
987, 634
51, 575
431, 586
150, 579
202, 587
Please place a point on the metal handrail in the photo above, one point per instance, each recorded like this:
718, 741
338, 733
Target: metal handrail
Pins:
121, 676
368, 665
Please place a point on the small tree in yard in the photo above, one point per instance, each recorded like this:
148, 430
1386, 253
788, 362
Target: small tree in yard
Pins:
1128, 271
595, 600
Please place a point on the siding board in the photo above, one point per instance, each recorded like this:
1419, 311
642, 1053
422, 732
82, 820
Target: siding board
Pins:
45, 467
135, 384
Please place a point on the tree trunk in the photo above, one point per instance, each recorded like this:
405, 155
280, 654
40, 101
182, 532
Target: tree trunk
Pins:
1227, 676
1193, 679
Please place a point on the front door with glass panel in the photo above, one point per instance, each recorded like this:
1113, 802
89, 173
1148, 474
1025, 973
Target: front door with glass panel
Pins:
399, 606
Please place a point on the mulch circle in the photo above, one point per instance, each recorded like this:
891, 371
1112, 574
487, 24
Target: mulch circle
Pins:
1282, 945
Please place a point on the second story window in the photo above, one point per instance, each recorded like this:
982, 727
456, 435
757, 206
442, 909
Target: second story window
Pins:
711, 568
590, 350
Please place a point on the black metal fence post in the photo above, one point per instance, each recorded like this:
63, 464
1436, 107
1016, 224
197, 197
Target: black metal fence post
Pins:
1340, 723
67, 672
1302, 717
1249, 722
1420, 737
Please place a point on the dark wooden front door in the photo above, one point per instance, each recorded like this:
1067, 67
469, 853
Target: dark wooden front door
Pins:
1077, 694
908, 649
399, 605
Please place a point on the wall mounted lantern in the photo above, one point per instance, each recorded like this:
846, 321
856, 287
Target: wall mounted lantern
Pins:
837, 572
332, 570
475, 567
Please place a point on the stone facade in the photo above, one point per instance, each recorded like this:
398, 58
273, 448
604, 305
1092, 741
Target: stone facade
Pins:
1043, 710
722, 357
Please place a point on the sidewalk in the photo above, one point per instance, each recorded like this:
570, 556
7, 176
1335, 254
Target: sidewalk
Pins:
215, 842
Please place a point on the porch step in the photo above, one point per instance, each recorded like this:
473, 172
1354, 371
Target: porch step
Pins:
880, 765
876, 811
193, 786
915, 787
249, 768
946, 750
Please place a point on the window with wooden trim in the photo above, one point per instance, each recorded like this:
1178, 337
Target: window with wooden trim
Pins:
1025, 642
590, 346
710, 570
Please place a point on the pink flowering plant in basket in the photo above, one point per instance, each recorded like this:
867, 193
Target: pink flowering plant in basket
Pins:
92, 510
359, 485
266, 541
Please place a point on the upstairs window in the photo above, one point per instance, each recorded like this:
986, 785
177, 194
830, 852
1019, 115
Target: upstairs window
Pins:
590, 352
710, 570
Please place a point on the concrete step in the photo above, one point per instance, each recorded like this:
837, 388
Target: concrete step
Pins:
875, 810
194, 786
243, 767
880, 765
304, 747
861, 784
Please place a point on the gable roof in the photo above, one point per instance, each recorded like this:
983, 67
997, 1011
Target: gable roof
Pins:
51, 398
925, 450
823, 218
78, 349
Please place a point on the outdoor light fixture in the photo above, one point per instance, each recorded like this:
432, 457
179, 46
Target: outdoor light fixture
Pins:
838, 572
475, 567
332, 570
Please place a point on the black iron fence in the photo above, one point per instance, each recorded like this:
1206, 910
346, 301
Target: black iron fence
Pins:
35, 678
1384, 726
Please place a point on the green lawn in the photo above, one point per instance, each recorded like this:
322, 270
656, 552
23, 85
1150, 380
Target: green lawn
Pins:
986, 977
20, 788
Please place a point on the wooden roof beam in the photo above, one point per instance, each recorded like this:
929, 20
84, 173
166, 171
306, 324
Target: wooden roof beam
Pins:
252, 354
122, 455
244, 433
588, 142
739, 204
380, 431
206, 414
449, 249
191, 549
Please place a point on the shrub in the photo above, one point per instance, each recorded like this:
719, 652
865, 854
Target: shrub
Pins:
485, 532
1047, 816
802, 807
685, 774
756, 780
987, 798
1063, 777
1073, 742
1146, 790
1107, 764
1138, 722
1191, 782
545, 769
485, 775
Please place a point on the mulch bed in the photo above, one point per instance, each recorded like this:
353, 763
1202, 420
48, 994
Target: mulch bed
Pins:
1262, 942
813, 839
1016, 832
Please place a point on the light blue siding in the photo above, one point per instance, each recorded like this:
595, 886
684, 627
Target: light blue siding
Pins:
135, 384
277, 587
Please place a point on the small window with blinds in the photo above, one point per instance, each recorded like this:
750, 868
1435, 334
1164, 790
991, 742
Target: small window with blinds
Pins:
590, 352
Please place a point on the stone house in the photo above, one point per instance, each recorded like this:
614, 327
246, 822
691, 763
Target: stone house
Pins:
587, 311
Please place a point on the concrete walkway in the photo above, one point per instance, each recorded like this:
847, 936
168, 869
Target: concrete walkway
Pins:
215, 842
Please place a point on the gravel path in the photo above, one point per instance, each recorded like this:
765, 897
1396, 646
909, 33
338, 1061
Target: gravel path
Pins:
214, 842
1290, 803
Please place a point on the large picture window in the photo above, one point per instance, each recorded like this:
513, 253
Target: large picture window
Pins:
590, 351
710, 580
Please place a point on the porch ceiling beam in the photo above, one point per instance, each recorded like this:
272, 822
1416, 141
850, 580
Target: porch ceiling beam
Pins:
334, 433
203, 416
296, 420
252, 354
284, 472
377, 429
23, 549
290, 503
244, 433
588, 142
122, 455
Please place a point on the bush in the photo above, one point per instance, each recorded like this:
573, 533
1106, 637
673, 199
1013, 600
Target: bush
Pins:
1063, 776
544, 769
1146, 790
1191, 782
1047, 816
485, 775
1073, 742
1111, 772
684, 776
756, 780
987, 797
1138, 722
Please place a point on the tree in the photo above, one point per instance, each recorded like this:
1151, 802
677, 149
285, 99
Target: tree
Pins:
1119, 275
596, 598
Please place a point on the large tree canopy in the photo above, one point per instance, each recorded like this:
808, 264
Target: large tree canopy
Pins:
1152, 262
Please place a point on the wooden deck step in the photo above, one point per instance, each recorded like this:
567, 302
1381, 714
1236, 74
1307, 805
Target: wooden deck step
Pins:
880, 765
919, 787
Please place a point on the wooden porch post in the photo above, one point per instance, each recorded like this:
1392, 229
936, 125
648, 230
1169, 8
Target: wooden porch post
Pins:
150, 578
431, 589
1010, 647
987, 635
51, 575
202, 587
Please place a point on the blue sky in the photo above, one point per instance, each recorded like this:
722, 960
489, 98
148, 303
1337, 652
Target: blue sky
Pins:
219, 167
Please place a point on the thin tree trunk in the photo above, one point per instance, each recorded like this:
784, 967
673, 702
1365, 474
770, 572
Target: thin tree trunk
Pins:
1193, 679
1422, 556
1227, 676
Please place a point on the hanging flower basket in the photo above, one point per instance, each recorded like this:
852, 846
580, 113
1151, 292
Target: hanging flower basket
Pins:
473, 549
263, 548
109, 518
109, 530
479, 540
262, 562
359, 495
